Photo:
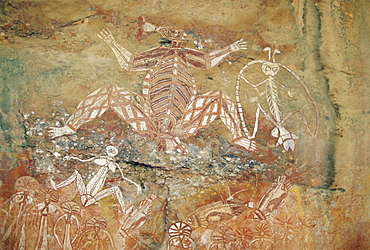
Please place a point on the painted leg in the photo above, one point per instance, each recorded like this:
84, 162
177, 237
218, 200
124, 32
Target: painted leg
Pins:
176, 144
127, 105
86, 198
139, 190
255, 129
112, 191
285, 137
75, 177
93, 106
204, 109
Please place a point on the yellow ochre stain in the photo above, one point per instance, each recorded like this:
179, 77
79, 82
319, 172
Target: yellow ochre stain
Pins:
299, 199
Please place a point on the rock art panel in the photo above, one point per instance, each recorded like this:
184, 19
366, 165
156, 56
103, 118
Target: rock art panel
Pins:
36, 217
169, 108
158, 151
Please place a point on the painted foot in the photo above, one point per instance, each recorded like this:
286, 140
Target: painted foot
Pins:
55, 132
245, 143
170, 145
161, 145
179, 146
285, 138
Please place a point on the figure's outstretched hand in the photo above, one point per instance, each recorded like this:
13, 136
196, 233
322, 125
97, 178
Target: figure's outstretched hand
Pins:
238, 45
55, 132
106, 36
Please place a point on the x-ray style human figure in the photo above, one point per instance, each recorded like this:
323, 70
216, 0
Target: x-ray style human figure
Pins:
269, 93
211, 215
14, 228
169, 109
134, 218
95, 235
93, 191
43, 215
71, 225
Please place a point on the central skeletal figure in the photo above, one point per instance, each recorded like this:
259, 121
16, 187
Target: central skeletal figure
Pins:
169, 108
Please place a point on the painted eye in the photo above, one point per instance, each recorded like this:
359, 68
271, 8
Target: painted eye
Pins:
274, 69
29, 200
18, 198
268, 68
111, 150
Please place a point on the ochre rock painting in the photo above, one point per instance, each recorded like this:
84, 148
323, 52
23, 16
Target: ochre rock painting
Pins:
268, 101
37, 218
169, 108
194, 125
229, 223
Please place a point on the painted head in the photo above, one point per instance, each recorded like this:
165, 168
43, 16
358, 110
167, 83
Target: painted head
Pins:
171, 33
112, 151
270, 68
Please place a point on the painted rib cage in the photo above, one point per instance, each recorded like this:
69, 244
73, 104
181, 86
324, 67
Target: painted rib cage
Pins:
170, 91
272, 98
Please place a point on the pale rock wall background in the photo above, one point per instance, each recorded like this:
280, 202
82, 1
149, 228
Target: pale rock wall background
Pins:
51, 58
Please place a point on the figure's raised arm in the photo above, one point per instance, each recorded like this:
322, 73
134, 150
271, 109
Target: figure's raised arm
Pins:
202, 60
67, 158
123, 56
140, 62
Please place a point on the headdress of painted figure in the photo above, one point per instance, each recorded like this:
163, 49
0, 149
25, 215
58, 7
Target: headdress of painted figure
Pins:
171, 33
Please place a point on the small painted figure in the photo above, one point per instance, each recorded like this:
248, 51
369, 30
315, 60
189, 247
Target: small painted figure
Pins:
44, 214
14, 228
71, 225
274, 197
93, 191
94, 235
269, 99
133, 219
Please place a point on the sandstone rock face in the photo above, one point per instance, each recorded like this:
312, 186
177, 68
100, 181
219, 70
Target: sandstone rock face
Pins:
297, 87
